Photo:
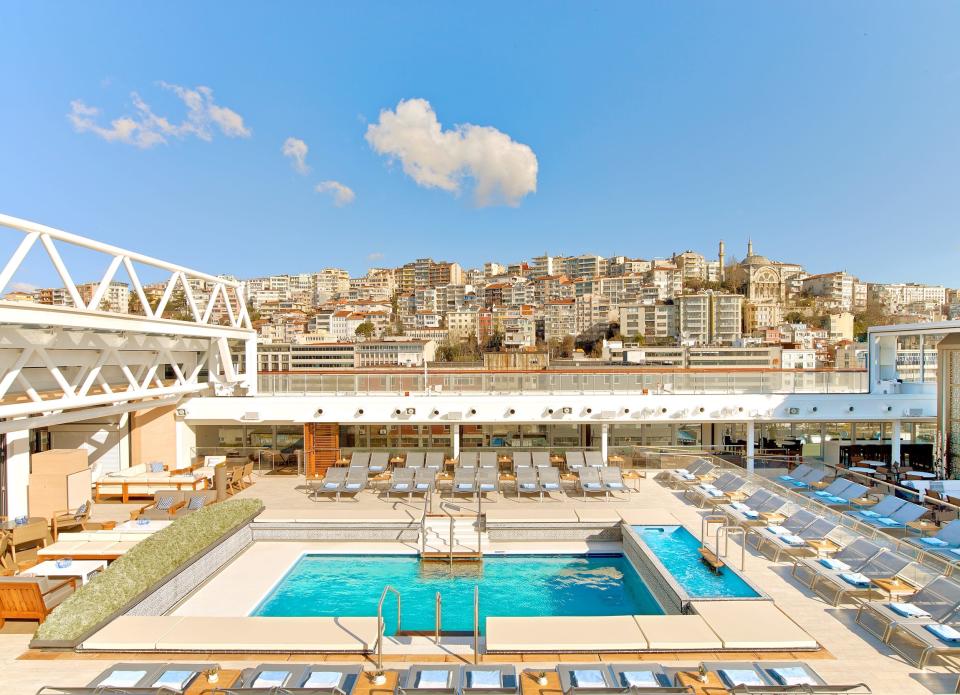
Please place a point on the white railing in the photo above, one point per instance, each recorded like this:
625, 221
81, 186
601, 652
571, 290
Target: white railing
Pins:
228, 294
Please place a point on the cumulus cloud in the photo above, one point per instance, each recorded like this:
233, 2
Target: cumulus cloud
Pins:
342, 195
503, 170
296, 150
146, 129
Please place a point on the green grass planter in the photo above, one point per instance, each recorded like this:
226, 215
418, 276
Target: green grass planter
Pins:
141, 570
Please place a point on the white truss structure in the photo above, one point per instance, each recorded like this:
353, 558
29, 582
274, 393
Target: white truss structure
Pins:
75, 362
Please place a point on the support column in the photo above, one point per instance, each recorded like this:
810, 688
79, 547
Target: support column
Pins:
18, 472
750, 445
604, 436
895, 444
250, 366
455, 430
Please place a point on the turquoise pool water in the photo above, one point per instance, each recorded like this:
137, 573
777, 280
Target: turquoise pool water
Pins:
678, 550
515, 586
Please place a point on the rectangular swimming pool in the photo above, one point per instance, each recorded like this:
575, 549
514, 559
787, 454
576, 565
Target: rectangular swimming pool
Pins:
678, 551
510, 586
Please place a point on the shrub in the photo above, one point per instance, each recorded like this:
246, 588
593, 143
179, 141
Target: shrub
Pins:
142, 568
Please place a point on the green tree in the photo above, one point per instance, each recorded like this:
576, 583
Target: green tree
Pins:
365, 330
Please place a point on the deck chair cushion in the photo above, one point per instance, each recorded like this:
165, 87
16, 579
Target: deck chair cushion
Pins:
740, 676
944, 632
270, 679
587, 678
175, 680
196, 502
123, 679
156, 467
432, 679
164, 503
638, 679
484, 679
792, 675
323, 679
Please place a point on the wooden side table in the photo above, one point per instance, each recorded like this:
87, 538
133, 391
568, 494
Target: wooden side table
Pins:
923, 526
823, 546
894, 587
226, 678
691, 679
773, 518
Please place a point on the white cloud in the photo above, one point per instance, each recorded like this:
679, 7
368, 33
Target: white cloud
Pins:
504, 171
145, 129
296, 149
375, 256
342, 195
23, 287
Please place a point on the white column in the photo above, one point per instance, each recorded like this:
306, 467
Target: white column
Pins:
604, 436
455, 429
18, 472
250, 366
895, 444
750, 445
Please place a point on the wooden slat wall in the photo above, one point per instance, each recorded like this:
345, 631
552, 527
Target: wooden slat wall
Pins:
321, 443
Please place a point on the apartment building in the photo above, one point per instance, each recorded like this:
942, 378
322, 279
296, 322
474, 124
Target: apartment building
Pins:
652, 320
395, 353
840, 326
585, 266
666, 279
519, 331
798, 358
759, 315
593, 314
559, 319
710, 317
462, 323
116, 298
838, 290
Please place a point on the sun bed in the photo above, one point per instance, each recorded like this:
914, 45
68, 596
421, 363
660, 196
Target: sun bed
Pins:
360, 458
332, 483
464, 481
434, 460
836, 585
747, 513
835, 487
541, 459
468, 459
492, 679
488, 459
414, 459
549, 480
379, 462
402, 481
851, 557
424, 480
844, 497
626, 679
429, 679
356, 482
784, 542
690, 474
488, 480
718, 492
287, 677
918, 642
527, 482
941, 544
897, 521
773, 677
885, 507
611, 477
798, 473
588, 482
522, 459
574, 461
939, 600
594, 458
174, 678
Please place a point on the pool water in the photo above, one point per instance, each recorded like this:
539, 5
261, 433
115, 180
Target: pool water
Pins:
514, 586
678, 550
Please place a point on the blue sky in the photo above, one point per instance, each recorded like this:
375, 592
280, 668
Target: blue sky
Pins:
829, 132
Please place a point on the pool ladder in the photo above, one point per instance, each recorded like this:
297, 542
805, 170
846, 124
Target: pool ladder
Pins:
725, 529
438, 621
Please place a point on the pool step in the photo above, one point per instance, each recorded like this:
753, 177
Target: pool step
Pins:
711, 559
437, 539
459, 556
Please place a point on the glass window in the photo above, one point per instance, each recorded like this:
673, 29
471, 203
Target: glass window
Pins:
689, 435
289, 438
657, 435
869, 431
838, 431
260, 437
626, 435
926, 433
809, 435
565, 437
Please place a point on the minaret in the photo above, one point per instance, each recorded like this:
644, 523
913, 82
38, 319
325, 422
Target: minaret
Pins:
749, 247
721, 259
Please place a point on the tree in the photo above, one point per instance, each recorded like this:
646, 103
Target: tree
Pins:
365, 330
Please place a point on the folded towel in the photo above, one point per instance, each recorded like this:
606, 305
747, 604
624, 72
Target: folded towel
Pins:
944, 632
123, 679
638, 679
331, 486
822, 493
792, 675
868, 513
270, 679
833, 499
587, 679
750, 514
323, 679
591, 486
791, 539
908, 610
422, 486
706, 486
855, 578
786, 477
833, 564
716, 493
954, 551
551, 486
688, 476
776, 530
464, 486
401, 486
740, 506
483, 679
935, 542
887, 521
175, 680
528, 486
432, 679
734, 677
353, 486
615, 485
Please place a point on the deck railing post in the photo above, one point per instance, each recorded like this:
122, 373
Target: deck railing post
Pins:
476, 624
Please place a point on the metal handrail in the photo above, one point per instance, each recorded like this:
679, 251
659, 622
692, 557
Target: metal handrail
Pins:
476, 624
427, 501
380, 624
438, 603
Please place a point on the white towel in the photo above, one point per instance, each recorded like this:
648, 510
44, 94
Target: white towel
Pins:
908, 610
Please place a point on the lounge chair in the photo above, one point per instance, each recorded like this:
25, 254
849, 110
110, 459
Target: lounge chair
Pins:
541, 459
434, 460
775, 678
499, 679
611, 477
794, 523
163, 507
898, 520
488, 480
836, 585
379, 462
938, 601
588, 482
71, 520
527, 482
797, 474
153, 677
414, 459
356, 481
716, 493
783, 542
402, 481
360, 458
851, 557
812, 476
917, 642
941, 544
424, 480
575, 461
464, 481
284, 677
845, 497
747, 513
429, 679
549, 480
885, 507
193, 501
612, 679
332, 483
836, 486
32, 598
594, 458
488, 459
698, 472
468, 459
522, 459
